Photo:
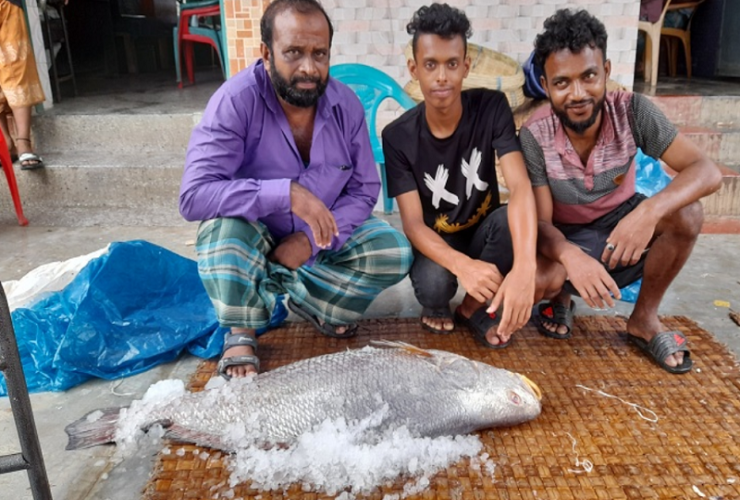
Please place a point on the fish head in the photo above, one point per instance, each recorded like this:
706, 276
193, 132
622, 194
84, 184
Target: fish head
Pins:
502, 397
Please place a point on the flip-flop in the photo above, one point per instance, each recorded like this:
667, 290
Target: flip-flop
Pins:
558, 313
34, 160
663, 345
479, 323
440, 313
235, 340
325, 328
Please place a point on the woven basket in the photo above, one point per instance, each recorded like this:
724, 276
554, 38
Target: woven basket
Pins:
488, 69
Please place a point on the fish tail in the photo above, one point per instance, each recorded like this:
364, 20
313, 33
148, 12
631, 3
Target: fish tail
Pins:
96, 428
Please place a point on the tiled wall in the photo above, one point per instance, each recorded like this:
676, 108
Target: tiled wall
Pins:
373, 32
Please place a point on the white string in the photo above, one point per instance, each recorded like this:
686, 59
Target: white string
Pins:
114, 386
637, 407
586, 464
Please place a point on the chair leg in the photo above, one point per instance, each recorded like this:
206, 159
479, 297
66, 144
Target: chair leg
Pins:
176, 48
7, 166
189, 57
687, 50
654, 58
69, 49
387, 202
672, 50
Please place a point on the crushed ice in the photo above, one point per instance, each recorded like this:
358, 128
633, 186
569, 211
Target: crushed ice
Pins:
337, 457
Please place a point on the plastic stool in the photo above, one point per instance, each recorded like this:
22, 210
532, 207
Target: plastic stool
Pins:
7, 166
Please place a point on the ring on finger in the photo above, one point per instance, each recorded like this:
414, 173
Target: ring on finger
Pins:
610, 247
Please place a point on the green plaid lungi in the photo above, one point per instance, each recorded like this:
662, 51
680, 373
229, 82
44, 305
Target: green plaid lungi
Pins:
243, 285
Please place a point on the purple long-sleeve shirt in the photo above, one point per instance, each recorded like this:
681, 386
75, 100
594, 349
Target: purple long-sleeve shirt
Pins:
242, 158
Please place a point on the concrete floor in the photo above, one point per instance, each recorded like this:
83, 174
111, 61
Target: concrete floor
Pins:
712, 273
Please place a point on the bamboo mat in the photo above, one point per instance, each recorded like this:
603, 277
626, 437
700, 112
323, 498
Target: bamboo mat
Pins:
692, 452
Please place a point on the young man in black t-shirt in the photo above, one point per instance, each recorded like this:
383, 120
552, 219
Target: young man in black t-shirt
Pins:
440, 161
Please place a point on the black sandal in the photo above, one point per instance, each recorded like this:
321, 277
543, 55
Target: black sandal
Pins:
663, 345
236, 340
558, 314
479, 323
323, 328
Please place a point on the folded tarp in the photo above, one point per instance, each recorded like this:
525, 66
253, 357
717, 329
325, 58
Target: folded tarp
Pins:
133, 307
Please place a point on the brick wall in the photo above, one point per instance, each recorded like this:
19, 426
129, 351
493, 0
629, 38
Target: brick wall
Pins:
373, 32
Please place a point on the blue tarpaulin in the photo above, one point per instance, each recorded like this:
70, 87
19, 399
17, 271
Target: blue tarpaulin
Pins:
127, 311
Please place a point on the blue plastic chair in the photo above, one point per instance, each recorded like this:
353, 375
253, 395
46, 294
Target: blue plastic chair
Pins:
372, 87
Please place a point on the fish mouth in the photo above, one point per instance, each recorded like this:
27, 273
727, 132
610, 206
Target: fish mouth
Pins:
535, 388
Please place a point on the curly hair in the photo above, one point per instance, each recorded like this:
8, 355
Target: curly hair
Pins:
439, 19
267, 23
572, 30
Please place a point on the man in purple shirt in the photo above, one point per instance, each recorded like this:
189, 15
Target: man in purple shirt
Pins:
281, 172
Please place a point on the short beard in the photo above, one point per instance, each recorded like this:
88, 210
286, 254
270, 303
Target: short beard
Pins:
580, 127
294, 96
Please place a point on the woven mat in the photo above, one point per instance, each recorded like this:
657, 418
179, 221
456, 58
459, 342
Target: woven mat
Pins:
693, 450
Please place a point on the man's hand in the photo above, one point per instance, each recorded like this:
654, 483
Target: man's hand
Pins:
480, 280
516, 293
591, 279
629, 239
293, 251
312, 210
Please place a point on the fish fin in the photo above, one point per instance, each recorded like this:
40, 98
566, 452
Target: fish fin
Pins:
178, 433
411, 349
96, 428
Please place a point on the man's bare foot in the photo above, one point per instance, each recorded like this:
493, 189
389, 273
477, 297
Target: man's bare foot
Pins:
240, 356
647, 329
437, 320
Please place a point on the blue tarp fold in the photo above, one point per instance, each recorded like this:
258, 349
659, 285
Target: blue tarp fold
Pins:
127, 311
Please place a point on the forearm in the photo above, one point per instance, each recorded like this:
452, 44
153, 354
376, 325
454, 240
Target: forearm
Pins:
552, 244
699, 179
522, 216
250, 199
434, 247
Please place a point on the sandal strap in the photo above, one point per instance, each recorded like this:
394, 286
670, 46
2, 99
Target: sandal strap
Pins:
239, 339
666, 343
225, 363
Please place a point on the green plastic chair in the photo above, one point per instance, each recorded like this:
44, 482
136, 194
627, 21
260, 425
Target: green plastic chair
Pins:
372, 87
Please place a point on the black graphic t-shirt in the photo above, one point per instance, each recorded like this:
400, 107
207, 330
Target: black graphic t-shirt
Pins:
455, 176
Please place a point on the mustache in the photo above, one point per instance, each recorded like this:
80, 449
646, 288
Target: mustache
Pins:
577, 104
305, 79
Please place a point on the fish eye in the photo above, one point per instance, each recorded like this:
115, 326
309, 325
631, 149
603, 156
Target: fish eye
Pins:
515, 398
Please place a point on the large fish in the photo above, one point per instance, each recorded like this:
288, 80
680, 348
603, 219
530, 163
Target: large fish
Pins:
431, 392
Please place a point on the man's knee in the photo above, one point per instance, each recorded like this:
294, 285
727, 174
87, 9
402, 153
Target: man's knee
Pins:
687, 221
434, 286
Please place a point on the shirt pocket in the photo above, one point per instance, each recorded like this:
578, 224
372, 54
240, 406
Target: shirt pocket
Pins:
327, 181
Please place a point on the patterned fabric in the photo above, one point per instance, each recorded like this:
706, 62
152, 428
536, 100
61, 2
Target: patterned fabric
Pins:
338, 288
582, 193
19, 81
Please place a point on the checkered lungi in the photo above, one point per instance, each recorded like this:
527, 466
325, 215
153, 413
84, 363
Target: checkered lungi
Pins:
337, 288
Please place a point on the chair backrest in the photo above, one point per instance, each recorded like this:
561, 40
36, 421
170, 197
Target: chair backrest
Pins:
372, 87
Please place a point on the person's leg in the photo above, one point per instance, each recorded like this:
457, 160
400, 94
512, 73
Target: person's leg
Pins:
232, 265
434, 287
491, 243
674, 239
19, 78
341, 285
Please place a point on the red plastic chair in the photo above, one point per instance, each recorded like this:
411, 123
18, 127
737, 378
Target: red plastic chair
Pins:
7, 166
187, 35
